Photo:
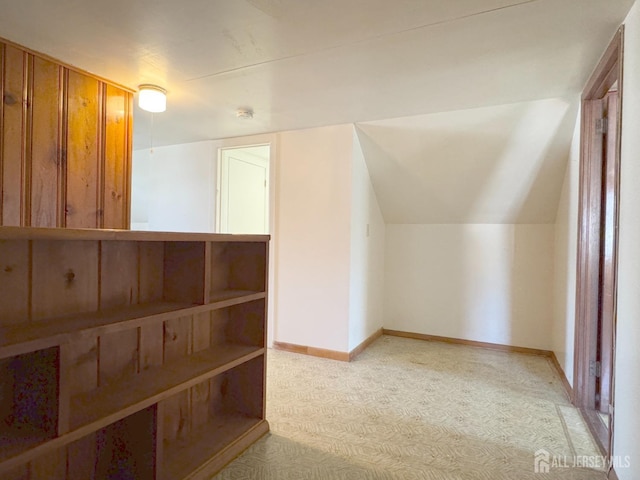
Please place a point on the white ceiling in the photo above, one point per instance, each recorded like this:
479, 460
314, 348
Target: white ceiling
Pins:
304, 63
482, 94
500, 164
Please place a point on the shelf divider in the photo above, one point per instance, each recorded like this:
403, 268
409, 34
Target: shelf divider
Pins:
106, 405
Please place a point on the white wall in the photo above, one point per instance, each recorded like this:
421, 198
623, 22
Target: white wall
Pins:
313, 227
481, 282
173, 188
627, 380
566, 244
366, 291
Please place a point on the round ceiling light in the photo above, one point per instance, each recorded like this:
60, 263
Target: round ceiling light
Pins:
152, 98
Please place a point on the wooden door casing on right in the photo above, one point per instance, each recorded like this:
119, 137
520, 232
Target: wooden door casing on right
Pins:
608, 255
596, 277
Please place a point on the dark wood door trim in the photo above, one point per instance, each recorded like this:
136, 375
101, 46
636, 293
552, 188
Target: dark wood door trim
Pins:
609, 255
607, 75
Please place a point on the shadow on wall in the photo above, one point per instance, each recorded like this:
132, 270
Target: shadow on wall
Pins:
501, 164
473, 258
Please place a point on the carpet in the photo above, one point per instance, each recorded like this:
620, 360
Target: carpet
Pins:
410, 409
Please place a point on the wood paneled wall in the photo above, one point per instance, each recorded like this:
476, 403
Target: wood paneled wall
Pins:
65, 145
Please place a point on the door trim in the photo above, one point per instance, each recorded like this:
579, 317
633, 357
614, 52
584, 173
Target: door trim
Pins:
220, 178
607, 73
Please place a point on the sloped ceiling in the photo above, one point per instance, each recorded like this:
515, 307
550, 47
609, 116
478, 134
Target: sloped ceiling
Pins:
500, 164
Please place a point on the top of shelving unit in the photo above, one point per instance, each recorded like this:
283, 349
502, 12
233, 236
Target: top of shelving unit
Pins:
32, 233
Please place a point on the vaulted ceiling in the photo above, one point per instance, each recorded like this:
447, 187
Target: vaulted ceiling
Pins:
439, 89
498, 164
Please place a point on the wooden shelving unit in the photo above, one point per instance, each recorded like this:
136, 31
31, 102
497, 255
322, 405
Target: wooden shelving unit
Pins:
129, 354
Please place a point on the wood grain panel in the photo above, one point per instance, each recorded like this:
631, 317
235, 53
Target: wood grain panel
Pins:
218, 328
246, 324
12, 147
14, 282
241, 324
118, 274
177, 338
81, 458
126, 448
200, 405
20, 473
52, 118
65, 280
237, 266
217, 386
80, 361
151, 345
44, 145
201, 331
51, 466
245, 381
116, 159
176, 409
118, 356
176, 417
83, 147
151, 271
184, 261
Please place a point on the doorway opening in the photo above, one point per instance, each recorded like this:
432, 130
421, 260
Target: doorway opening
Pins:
598, 245
243, 190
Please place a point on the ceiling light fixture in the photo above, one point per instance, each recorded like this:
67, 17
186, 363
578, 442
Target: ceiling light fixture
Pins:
244, 113
152, 98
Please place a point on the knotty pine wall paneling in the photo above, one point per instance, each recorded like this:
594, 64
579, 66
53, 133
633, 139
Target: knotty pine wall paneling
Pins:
13, 122
44, 143
65, 145
83, 157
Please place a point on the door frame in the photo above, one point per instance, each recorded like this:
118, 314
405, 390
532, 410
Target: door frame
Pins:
219, 186
607, 73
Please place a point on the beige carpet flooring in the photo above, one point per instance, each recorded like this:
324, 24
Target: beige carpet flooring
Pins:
408, 409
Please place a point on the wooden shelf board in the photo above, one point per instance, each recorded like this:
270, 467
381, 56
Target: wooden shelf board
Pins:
97, 409
216, 443
14, 441
34, 233
13, 458
30, 336
183, 458
108, 404
229, 297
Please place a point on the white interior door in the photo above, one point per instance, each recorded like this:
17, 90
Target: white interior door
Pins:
244, 192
